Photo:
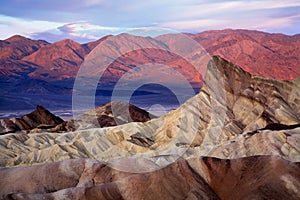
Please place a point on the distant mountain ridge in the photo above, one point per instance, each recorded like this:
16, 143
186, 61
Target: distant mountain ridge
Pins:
17, 47
36, 72
265, 54
269, 55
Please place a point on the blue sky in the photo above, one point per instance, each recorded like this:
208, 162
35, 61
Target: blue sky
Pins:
86, 20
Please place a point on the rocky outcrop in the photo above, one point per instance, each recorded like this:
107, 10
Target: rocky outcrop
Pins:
39, 118
258, 177
113, 114
106, 115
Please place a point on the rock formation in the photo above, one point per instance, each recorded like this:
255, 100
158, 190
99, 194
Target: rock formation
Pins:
237, 139
39, 118
109, 114
234, 110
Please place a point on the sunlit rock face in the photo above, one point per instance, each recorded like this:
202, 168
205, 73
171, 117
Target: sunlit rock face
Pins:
264, 54
260, 53
227, 119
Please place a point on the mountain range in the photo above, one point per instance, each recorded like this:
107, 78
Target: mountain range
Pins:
36, 72
238, 138
265, 54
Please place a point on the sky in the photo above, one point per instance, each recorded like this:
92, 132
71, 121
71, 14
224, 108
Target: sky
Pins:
88, 20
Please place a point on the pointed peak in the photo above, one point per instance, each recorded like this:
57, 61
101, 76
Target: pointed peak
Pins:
39, 107
231, 74
226, 66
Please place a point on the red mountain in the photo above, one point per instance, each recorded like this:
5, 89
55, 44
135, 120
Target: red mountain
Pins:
157, 52
12, 50
91, 45
58, 60
270, 55
17, 47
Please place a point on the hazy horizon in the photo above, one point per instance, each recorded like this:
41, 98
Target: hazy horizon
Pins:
144, 35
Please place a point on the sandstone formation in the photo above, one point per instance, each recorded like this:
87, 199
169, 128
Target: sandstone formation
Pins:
258, 177
231, 117
112, 114
239, 138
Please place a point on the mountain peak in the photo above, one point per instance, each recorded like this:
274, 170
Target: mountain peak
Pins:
66, 42
16, 38
40, 108
40, 117
92, 45
112, 114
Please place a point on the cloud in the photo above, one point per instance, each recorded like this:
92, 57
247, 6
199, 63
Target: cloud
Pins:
195, 25
89, 3
11, 26
263, 15
84, 26
80, 31
83, 31
259, 23
85, 20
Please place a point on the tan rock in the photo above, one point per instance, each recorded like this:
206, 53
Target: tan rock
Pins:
198, 178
